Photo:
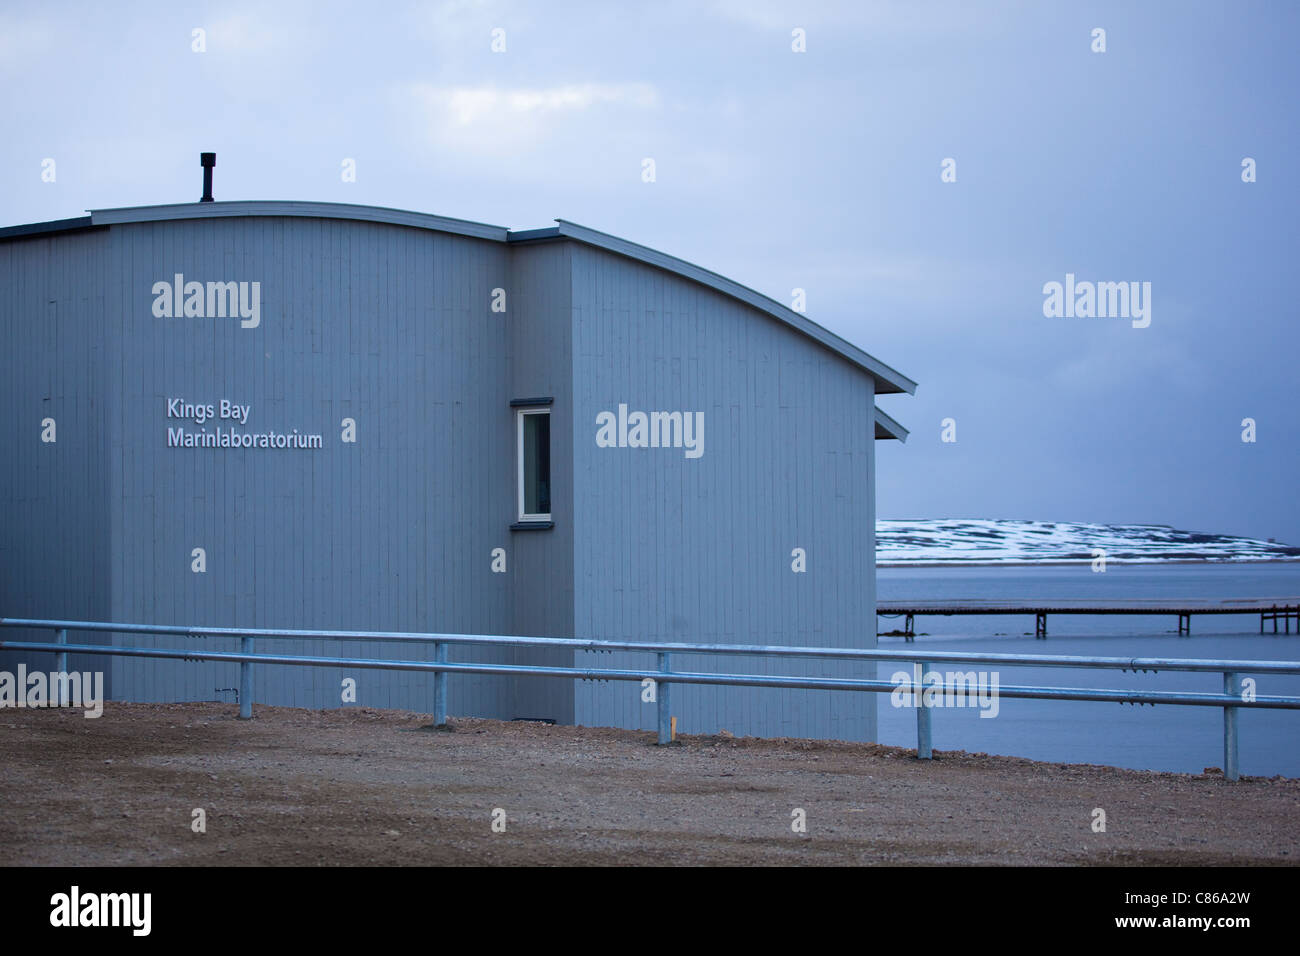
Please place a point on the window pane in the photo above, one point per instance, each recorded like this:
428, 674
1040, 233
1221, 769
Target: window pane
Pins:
537, 464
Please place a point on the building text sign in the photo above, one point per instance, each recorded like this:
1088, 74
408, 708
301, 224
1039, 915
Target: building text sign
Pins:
232, 414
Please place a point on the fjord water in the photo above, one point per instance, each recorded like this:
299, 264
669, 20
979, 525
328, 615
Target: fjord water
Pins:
1176, 738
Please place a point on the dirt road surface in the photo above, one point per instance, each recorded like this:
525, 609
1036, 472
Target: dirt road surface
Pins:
358, 786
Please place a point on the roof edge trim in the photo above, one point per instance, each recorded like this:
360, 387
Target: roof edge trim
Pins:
530, 235
886, 427
46, 228
298, 209
887, 379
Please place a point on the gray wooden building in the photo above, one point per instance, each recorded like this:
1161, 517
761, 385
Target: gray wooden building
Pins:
311, 415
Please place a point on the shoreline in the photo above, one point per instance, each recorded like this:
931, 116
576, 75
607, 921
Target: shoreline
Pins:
1080, 562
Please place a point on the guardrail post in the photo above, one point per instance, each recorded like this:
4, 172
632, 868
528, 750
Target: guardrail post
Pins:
663, 696
1232, 689
61, 665
923, 749
440, 686
245, 680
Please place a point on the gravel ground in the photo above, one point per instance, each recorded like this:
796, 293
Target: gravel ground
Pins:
360, 786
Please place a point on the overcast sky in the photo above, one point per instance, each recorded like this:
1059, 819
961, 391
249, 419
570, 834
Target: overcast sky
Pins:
818, 170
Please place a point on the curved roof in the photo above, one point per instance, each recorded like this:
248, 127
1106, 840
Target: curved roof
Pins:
308, 210
886, 378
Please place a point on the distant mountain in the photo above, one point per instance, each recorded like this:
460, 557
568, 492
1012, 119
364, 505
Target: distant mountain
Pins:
983, 541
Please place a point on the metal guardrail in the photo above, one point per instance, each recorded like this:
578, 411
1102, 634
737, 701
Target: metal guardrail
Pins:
1231, 700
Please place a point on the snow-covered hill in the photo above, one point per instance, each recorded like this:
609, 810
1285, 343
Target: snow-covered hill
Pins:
981, 541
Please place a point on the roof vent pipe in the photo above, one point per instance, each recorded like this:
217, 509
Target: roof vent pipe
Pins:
208, 161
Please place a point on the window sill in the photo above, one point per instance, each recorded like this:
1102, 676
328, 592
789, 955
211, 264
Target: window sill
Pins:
532, 526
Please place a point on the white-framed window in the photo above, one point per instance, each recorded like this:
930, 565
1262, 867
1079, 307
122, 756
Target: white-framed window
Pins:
533, 432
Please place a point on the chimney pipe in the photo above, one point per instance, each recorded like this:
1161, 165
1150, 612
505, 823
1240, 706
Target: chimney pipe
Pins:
208, 160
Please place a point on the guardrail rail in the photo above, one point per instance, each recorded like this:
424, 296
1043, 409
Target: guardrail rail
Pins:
1231, 700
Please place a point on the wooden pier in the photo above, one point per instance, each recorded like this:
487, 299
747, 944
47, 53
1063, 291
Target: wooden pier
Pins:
1277, 610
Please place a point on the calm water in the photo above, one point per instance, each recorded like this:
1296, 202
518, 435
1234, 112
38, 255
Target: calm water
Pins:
1185, 739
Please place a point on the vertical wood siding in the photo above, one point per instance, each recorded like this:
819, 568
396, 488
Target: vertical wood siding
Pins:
390, 326
55, 552
540, 302
670, 548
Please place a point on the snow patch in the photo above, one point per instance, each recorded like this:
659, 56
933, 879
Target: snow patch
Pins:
988, 541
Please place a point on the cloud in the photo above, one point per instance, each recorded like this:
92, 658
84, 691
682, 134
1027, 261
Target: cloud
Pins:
1122, 358
890, 16
241, 33
23, 41
496, 126
487, 105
